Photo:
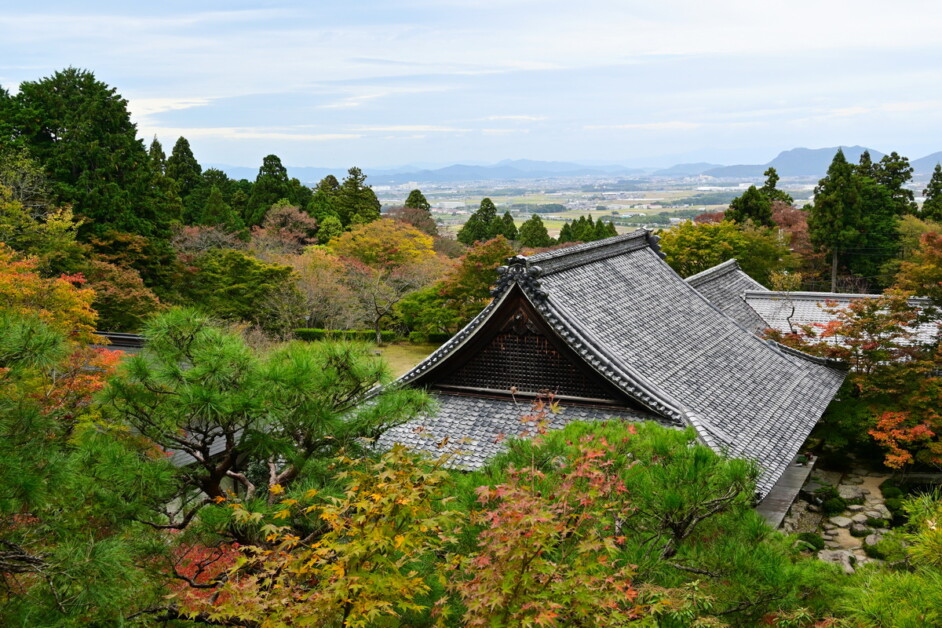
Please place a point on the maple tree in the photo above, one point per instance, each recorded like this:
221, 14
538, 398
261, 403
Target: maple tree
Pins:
60, 302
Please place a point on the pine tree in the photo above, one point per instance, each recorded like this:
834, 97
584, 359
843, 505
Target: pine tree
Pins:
932, 207
771, 192
533, 233
834, 218
751, 206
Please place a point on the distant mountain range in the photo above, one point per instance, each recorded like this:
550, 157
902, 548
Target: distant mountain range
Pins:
797, 162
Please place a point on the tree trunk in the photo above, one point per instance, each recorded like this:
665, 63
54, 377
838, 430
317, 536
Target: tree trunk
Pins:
834, 270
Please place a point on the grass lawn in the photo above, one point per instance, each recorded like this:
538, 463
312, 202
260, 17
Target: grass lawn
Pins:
402, 356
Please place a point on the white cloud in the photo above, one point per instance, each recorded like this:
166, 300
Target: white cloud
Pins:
247, 133
672, 125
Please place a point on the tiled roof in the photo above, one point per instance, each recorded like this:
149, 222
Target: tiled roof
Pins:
787, 311
477, 428
638, 324
724, 286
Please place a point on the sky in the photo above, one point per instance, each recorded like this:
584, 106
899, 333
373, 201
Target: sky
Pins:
388, 83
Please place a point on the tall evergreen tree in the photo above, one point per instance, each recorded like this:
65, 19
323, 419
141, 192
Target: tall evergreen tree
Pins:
865, 167
932, 206
482, 225
507, 227
533, 233
158, 159
893, 172
565, 234
80, 130
325, 198
417, 200
217, 212
183, 168
356, 201
834, 218
751, 206
271, 185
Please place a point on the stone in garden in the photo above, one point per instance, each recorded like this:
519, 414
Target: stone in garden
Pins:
859, 529
873, 539
859, 518
874, 513
884, 511
840, 522
853, 479
850, 492
843, 558
855, 508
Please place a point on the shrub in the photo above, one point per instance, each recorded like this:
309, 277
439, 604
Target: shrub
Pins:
826, 492
876, 522
891, 492
834, 506
894, 504
812, 539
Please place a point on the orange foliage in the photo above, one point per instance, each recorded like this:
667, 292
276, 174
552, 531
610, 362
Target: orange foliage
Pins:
61, 302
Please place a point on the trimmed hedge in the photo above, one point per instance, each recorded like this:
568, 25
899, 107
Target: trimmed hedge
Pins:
367, 335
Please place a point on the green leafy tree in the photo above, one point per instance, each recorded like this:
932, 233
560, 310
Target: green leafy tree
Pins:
122, 301
80, 131
447, 305
694, 247
932, 207
771, 192
356, 202
25, 181
50, 237
232, 285
533, 233
417, 200
753, 206
834, 217
328, 229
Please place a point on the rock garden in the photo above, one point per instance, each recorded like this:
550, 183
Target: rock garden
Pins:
845, 516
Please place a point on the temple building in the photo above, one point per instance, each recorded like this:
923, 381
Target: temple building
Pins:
613, 332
